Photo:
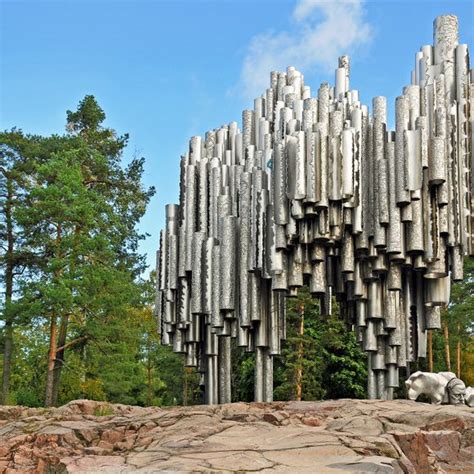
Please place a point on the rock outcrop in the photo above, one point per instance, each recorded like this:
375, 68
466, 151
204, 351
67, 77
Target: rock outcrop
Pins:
331, 436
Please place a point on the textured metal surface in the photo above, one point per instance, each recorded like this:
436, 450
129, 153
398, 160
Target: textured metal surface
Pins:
318, 192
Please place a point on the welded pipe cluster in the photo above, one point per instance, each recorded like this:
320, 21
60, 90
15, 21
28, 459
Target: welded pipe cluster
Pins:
316, 191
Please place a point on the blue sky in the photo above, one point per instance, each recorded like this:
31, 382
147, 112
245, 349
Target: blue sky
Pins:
164, 71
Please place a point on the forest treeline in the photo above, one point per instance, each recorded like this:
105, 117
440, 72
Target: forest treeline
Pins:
76, 313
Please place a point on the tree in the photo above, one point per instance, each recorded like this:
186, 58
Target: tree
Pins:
9, 179
346, 371
300, 370
17, 154
80, 216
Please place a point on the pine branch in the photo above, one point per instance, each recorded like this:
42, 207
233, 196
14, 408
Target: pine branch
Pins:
72, 343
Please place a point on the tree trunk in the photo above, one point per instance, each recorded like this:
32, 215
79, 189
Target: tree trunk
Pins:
150, 386
9, 264
446, 347
299, 370
53, 333
149, 368
185, 386
430, 350
48, 399
7, 361
458, 353
59, 361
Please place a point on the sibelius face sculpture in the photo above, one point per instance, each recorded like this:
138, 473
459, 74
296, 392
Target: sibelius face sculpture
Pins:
317, 191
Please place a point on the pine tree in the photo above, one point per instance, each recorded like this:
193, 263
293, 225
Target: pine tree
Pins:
17, 155
346, 373
80, 215
299, 371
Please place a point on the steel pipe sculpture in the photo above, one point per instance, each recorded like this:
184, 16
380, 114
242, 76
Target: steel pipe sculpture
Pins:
316, 191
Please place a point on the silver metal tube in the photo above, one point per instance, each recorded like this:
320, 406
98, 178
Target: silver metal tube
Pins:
224, 369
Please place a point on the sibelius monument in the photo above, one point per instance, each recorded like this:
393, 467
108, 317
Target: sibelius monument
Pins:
317, 191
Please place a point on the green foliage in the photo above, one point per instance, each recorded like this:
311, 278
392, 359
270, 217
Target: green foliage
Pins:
331, 363
301, 352
88, 116
26, 397
346, 370
243, 373
123, 363
29, 365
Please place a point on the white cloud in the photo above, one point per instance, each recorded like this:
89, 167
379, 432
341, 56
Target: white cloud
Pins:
321, 31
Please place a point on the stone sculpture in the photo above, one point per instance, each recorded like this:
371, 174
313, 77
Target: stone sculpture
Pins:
443, 387
469, 398
317, 191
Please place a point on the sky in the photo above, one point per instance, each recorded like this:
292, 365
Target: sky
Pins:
166, 70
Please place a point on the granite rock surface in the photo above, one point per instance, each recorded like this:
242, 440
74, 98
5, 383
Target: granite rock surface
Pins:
330, 436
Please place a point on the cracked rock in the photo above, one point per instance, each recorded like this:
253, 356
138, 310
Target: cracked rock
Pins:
328, 436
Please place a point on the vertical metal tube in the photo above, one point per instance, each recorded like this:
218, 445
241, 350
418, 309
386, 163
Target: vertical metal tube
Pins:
259, 374
224, 369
